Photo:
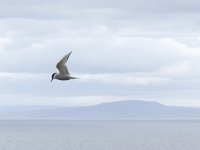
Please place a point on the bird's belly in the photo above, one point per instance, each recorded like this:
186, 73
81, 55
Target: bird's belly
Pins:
63, 77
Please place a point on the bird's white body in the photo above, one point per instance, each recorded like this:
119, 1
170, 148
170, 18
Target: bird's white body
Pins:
63, 77
63, 71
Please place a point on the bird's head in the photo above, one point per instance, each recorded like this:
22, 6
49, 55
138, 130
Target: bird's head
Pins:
52, 76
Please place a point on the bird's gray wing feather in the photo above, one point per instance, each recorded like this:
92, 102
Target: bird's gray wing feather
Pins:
61, 65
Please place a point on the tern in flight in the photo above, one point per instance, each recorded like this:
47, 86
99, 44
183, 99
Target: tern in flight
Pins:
63, 71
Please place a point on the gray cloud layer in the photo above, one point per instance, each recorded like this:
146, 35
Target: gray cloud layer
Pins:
131, 49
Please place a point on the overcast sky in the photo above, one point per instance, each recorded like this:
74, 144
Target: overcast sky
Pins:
122, 50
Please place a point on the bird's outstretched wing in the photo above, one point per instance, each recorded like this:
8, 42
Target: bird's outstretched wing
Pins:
61, 65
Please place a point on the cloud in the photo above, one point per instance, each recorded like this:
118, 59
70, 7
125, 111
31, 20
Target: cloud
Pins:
108, 51
136, 48
21, 75
122, 79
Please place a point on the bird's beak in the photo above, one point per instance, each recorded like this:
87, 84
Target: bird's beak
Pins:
51, 79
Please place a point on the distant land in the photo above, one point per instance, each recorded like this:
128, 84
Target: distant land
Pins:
130, 109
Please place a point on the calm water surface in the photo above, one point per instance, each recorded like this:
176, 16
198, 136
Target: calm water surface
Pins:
100, 135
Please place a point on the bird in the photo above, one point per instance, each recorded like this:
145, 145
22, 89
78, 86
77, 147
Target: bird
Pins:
63, 71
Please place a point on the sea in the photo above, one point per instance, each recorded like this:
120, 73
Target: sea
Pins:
100, 135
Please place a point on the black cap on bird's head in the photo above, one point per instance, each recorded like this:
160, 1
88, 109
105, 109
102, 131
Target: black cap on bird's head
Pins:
52, 76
